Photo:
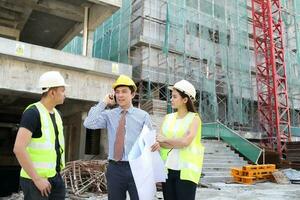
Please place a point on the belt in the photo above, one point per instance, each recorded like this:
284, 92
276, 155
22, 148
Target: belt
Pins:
121, 162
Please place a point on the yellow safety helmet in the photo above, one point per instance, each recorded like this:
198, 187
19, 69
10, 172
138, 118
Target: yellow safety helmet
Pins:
124, 80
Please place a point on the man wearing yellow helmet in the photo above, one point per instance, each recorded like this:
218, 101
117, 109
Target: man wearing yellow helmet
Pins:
124, 124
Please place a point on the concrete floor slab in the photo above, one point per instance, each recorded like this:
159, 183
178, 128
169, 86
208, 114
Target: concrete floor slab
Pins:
222, 191
259, 191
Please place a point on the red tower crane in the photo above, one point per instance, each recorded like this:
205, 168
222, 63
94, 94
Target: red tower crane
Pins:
272, 94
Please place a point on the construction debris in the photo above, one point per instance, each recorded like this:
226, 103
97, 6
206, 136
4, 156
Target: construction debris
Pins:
293, 175
280, 177
85, 176
293, 154
250, 174
14, 196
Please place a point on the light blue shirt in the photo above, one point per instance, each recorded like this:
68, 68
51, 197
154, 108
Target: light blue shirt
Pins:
99, 117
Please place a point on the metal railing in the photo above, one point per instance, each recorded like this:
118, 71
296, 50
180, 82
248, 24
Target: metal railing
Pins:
239, 143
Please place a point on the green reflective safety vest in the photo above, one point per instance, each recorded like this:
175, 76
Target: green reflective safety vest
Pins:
191, 157
42, 150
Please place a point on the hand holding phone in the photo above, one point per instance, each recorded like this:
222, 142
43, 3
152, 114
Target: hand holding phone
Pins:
110, 99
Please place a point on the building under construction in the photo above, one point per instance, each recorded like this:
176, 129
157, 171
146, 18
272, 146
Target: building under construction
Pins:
242, 56
211, 43
207, 42
241, 67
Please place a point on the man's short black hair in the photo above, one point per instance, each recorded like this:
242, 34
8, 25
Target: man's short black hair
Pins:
44, 94
130, 87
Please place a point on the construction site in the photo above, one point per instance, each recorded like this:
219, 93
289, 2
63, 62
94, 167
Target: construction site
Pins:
242, 56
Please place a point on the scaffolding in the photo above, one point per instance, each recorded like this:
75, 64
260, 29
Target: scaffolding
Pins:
209, 43
291, 19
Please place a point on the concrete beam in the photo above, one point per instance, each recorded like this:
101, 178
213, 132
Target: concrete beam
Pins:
54, 7
21, 64
10, 32
69, 35
9, 23
25, 15
21, 50
60, 9
98, 14
8, 14
8, 5
23, 76
117, 3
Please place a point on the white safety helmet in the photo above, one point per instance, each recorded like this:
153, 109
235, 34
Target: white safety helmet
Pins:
185, 87
51, 79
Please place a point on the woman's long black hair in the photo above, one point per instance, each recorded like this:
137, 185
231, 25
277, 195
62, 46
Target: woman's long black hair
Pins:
190, 105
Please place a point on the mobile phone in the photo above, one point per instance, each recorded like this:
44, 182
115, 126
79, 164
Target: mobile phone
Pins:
115, 99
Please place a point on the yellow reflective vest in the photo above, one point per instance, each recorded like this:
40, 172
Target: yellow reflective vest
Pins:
42, 150
191, 157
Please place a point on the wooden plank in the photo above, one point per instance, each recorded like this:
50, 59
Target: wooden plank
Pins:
280, 178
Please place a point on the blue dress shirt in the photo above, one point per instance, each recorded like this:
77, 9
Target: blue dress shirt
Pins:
99, 117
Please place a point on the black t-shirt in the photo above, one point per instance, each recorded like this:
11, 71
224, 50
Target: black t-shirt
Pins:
31, 120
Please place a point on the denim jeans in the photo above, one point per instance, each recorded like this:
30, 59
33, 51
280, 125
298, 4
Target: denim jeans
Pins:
31, 192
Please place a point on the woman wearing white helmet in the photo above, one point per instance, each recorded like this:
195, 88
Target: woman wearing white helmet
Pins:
180, 142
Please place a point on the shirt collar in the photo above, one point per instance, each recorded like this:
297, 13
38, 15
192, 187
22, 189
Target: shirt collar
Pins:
129, 110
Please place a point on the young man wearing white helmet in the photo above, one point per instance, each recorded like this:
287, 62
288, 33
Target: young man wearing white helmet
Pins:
39, 146
180, 141
124, 124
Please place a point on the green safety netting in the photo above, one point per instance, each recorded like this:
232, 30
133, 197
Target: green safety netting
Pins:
74, 46
111, 39
291, 19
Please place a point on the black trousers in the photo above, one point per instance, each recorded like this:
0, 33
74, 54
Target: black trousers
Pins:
31, 192
120, 180
176, 189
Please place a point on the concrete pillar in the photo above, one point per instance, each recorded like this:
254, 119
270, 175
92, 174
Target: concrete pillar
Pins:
90, 43
74, 136
103, 144
85, 31
88, 35
82, 137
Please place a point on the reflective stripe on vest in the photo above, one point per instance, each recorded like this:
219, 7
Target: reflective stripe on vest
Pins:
42, 150
191, 157
44, 165
37, 145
